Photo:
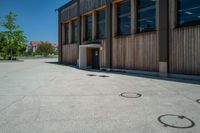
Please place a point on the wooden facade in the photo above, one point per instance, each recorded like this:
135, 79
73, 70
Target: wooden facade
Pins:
69, 12
70, 54
89, 5
69, 49
184, 45
137, 51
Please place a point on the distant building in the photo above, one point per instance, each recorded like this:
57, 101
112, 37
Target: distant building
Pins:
34, 46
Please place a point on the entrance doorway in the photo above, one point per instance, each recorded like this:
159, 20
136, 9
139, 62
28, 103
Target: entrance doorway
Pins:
93, 58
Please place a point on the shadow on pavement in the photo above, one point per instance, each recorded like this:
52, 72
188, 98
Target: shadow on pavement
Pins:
157, 77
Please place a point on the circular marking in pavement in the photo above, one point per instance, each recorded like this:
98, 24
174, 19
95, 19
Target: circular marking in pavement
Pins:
130, 95
198, 101
103, 76
91, 75
176, 121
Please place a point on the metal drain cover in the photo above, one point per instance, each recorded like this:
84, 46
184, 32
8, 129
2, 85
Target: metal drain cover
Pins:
130, 95
176, 121
103, 76
91, 75
198, 101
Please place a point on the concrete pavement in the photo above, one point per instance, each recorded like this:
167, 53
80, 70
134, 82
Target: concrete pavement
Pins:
39, 96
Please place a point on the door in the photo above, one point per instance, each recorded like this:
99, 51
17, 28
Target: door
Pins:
96, 58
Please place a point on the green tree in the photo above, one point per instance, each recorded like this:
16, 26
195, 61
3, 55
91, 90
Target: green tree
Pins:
45, 48
12, 40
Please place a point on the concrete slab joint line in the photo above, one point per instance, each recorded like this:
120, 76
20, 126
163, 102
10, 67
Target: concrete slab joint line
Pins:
20, 99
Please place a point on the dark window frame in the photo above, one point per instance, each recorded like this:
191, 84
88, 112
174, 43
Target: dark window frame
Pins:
87, 38
74, 32
192, 23
100, 22
66, 33
137, 18
119, 33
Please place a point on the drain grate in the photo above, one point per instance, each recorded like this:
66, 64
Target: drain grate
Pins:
130, 95
103, 76
91, 75
198, 101
176, 121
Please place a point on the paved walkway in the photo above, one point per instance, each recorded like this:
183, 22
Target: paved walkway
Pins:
41, 97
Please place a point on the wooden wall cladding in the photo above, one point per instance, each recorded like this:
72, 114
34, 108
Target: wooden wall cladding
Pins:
136, 52
70, 54
103, 54
87, 5
184, 50
184, 46
69, 12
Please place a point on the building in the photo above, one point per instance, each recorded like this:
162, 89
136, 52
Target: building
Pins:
34, 46
145, 35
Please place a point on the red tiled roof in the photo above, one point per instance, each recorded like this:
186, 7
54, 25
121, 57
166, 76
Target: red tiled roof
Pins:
37, 43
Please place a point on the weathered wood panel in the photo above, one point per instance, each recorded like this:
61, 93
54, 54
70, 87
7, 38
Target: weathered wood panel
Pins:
184, 50
89, 56
69, 12
136, 52
184, 46
87, 5
103, 54
70, 54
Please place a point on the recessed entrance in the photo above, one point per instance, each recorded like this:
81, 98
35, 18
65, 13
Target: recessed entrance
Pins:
89, 56
93, 58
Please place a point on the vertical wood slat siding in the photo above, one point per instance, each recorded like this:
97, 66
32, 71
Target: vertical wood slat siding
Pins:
103, 54
184, 46
136, 52
70, 54
69, 12
184, 51
87, 5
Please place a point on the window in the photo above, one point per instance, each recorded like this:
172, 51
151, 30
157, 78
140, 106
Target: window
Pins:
88, 27
66, 33
124, 18
188, 12
74, 31
100, 24
146, 15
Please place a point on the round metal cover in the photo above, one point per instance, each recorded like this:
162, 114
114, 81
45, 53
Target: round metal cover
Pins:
91, 75
130, 95
176, 121
103, 76
198, 101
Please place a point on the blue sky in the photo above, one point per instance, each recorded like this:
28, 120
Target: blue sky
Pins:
36, 17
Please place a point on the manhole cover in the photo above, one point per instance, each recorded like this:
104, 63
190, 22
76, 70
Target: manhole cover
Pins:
130, 95
176, 121
91, 75
198, 101
103, 76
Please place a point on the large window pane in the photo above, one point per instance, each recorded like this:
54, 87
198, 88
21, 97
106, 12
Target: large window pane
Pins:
74, 31
146, 15
66, 33
101, 24
88, 27
124, 18
188, 11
